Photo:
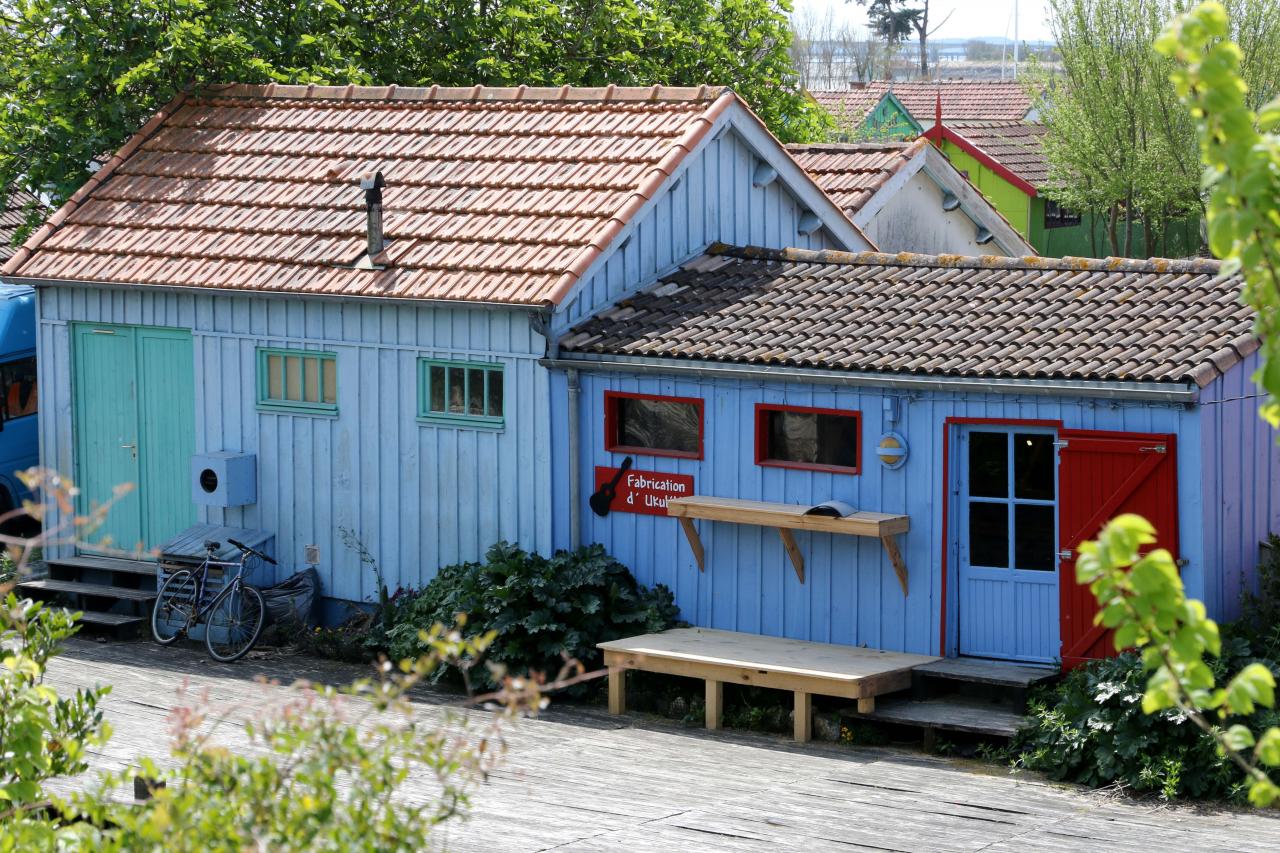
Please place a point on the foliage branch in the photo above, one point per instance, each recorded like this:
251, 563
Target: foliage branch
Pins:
1241, 153
1142, 598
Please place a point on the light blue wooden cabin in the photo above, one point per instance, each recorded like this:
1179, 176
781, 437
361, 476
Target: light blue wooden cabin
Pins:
159, 344
1187, 449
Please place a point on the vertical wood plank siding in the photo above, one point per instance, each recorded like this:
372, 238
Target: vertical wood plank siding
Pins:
1241, 485
851, 594
715, 200
419, 495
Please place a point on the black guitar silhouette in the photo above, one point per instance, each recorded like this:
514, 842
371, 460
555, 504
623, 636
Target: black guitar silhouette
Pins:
602, 499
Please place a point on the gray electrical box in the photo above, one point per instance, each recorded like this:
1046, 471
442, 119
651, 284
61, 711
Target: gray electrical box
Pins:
224, 478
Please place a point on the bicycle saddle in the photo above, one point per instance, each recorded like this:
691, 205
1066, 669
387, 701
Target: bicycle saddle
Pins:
211, 546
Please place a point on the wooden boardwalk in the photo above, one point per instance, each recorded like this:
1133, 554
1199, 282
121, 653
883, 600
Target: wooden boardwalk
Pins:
579, 780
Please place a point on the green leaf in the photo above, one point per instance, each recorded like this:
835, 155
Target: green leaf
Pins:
1237, 738
1268, 748
1252, 685
1263, 793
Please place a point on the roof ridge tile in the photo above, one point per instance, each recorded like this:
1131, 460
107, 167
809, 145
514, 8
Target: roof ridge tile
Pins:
1195, 266
611, 93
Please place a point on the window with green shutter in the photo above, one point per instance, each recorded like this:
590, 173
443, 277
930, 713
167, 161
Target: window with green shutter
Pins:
460, 392
299, 381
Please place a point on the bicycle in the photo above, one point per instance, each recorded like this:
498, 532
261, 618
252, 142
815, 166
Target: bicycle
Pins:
233, 619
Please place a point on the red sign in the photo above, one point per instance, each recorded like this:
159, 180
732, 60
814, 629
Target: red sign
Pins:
645, 492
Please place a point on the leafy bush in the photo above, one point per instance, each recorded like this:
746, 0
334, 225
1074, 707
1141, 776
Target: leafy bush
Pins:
543, 610
42, 736
322, 770
1090, 728
1260, 611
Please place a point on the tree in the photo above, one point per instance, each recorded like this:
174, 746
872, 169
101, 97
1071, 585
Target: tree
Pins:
81, 75
894, 21
1118, 145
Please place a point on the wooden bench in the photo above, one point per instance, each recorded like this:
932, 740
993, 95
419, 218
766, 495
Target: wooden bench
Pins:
728, 656
788, 517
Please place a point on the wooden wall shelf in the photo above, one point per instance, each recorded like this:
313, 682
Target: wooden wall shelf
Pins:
788, 517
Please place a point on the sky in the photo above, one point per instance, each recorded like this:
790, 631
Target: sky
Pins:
969, 18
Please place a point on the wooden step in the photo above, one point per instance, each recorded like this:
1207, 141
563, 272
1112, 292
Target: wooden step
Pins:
95, 589
992, 673
107, 564
111, 620
956, 714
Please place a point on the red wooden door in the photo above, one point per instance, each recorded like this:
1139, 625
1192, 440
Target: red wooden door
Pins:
1100, 476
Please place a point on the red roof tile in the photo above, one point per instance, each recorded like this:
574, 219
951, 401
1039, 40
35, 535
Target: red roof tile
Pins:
989, 317
961, 99
13, 215
1016, 145
851, 173
494, 195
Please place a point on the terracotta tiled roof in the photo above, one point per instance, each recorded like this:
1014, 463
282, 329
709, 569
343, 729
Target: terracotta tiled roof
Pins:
961, 99
1016, 145
496, 195
13, 215
851, 102
851, 173
989, 317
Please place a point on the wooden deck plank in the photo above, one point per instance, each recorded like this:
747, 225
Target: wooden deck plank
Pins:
948, 713
776, 654
770, 514
93, 589
110, 564
112, 620
990, 672
576, 779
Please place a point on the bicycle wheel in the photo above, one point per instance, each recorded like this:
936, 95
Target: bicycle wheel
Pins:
235, 620
174, 607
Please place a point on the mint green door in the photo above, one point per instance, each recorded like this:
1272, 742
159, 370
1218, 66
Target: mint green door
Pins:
135, 424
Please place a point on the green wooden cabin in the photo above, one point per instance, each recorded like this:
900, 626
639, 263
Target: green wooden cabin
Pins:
1005, 160
868, 115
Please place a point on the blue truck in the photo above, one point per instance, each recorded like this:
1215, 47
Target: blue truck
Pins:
19, 399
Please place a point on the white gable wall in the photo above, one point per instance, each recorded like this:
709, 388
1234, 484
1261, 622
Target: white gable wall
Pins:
906, 215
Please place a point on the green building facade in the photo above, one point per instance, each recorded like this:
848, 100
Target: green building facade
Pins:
1055, 233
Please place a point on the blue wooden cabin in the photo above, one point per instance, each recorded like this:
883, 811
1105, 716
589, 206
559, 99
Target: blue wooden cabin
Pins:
336, 301
437, 318
1006, 407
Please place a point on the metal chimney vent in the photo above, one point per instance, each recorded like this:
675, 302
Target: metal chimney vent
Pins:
372, 184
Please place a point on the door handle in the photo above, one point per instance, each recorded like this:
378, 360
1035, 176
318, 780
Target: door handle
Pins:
1064, 554
129, 446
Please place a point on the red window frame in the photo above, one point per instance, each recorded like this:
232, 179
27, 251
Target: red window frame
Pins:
762, 438
612, 424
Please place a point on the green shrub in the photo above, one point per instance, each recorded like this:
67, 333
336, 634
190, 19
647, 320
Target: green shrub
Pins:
544, 610
42, 736
1090, 728
1260, 611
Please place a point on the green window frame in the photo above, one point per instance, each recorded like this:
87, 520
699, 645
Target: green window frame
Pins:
462, 393
297, 381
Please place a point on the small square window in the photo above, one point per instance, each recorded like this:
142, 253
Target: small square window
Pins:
653, 425
807, 438
459, 392
18, 384
299, 381
1057, 216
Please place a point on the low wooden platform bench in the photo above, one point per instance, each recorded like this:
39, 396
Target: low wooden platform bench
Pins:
718, 657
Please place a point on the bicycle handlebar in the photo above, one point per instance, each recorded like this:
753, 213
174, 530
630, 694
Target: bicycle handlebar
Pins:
246, 549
